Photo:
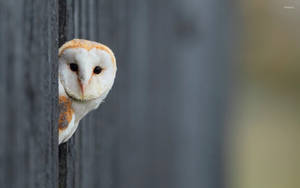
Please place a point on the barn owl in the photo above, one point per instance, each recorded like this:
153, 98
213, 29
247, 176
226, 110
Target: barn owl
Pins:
86, 74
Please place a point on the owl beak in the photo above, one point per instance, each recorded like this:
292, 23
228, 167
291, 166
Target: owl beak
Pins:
82, 85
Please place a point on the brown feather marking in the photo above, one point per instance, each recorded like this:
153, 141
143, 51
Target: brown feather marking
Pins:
88, 45
65, 112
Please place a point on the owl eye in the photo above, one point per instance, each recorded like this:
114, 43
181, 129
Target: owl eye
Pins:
74, 67
97, 70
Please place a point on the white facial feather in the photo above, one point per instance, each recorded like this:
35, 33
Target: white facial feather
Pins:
94, 84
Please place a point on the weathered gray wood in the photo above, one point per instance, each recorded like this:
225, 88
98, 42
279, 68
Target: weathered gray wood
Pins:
67, 162
162, 123
28, 94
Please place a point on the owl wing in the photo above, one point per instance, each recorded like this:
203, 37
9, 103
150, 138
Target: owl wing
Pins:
66, 115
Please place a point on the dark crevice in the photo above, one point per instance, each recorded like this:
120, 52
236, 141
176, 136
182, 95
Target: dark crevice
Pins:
62, 24
62, 21
62, 166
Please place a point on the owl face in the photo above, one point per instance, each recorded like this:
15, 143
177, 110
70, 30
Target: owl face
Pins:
86, 69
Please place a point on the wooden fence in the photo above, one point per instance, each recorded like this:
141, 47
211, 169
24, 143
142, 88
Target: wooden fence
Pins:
162, 123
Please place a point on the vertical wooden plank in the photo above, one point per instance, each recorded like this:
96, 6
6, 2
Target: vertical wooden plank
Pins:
97, 144
28, 94
67, 151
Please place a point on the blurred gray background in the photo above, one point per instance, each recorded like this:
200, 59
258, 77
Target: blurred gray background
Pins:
206, 95
162, 124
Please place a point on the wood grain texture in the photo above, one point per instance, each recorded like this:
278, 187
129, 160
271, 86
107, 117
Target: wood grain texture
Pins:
162, 123
28, 94
67, 159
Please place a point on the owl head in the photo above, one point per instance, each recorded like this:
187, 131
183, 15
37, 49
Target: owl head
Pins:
86, 69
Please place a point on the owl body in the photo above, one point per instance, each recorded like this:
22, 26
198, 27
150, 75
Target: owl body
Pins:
86, 74
79, 109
